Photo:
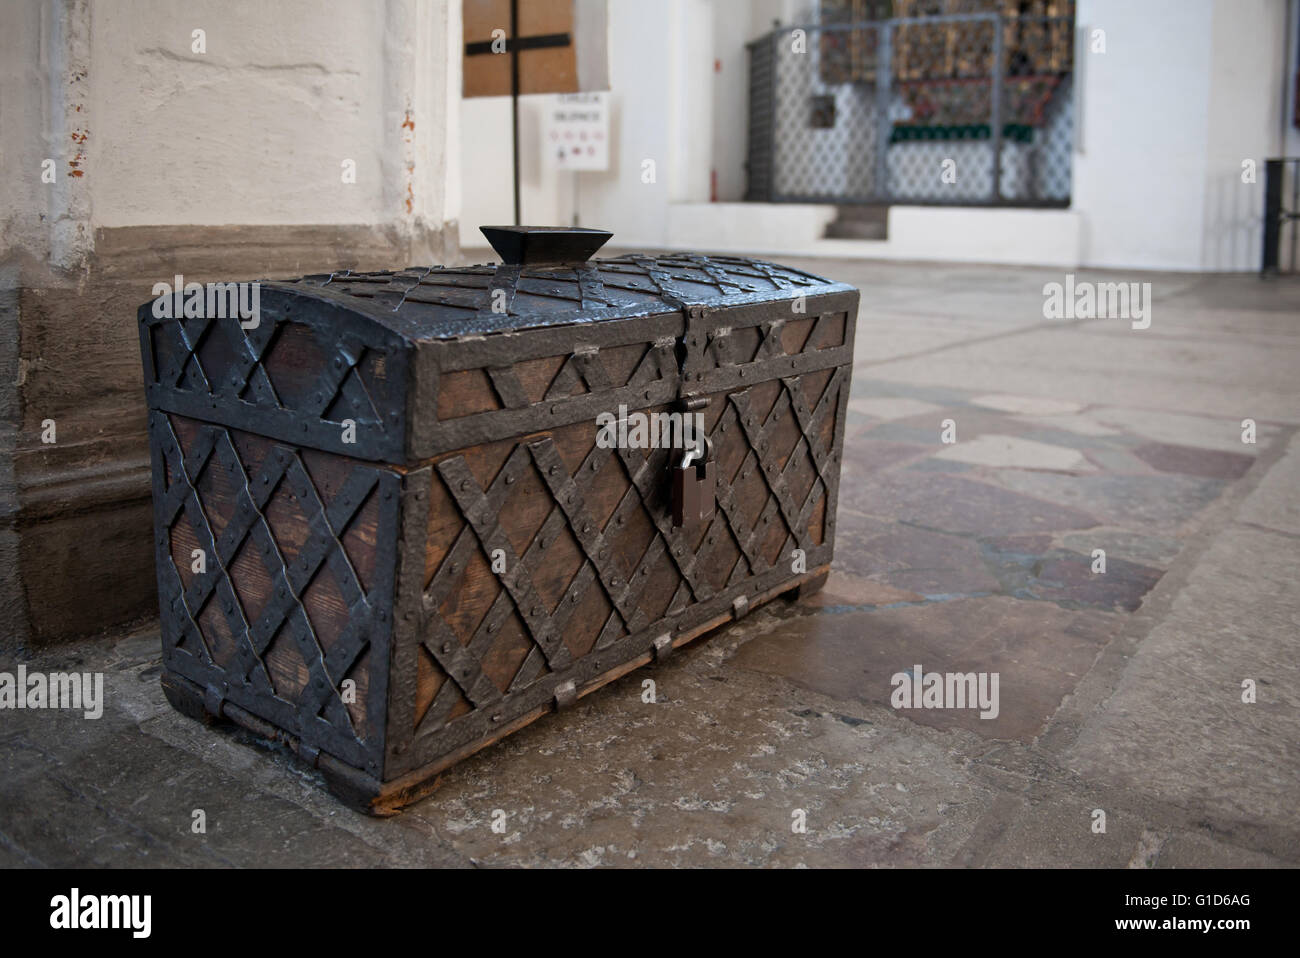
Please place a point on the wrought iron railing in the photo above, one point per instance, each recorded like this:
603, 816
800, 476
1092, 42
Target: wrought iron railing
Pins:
965, 109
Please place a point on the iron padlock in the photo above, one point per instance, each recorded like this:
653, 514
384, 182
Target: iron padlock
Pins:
694, 485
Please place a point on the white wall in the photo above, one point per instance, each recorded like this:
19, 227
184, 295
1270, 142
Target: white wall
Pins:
1247, 98
147, 131
1186, 90
44, 118
1140, 176
690, 95
642, 37
736, 23
255, 130
485, 158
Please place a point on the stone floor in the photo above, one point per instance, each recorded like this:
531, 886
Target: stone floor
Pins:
1119, 691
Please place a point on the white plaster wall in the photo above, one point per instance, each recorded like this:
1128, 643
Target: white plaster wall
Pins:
735, 23
21, 144
44, 63
146, 131
255, 130
976, 235
1247, 97
546, 194
1139, 182
755, 227
641, 37
691, 92
1186, 91
485, 158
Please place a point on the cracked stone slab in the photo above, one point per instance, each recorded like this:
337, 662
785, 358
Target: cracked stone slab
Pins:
1265, 327
1209, 378
952, 503
844, 591
863, 456
911, 559
1161, 501
1011, 452
1025, 569
887, 407
1039, 651
940, 465
1028, 405
1082, 424
886, 335
1119, 460
1180, 429
716, 771
1196, 850
1274, 503
1191, 461
1177, 726
1050, 825
1154, 551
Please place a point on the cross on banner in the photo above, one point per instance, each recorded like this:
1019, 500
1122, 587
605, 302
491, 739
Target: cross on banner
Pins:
528, 43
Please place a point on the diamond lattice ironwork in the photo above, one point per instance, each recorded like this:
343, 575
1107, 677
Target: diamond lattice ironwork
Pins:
291, 563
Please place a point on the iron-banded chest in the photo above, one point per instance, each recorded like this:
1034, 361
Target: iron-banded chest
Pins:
401, 514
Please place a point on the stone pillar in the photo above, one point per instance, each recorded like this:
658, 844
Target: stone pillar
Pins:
220, 155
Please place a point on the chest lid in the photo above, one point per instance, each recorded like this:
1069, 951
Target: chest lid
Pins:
373, 349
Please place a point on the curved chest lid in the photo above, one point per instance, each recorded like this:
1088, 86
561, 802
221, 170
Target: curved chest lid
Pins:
548, 279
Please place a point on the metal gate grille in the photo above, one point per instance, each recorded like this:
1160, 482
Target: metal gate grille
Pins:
918, 110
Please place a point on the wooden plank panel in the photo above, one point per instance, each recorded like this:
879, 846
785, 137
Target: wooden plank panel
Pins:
549, 70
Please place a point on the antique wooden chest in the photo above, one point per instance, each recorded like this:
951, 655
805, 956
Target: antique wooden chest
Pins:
400, 515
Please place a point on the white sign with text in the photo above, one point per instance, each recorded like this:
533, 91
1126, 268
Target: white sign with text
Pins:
575, 131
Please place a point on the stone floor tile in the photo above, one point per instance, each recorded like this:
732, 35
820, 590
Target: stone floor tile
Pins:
958, 504
1179, 429
1274, 504
1190, 461
1039, 651
1012, 452
886, 408
1156, 552
1159, 501
1176, 725
1037, 406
